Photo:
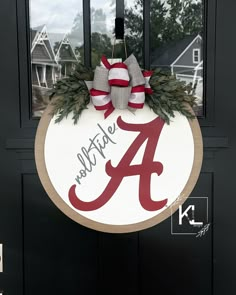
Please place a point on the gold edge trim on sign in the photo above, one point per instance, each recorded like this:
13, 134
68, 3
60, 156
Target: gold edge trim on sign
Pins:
58, 201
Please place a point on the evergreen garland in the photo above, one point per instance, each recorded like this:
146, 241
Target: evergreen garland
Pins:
169, 94
71, 94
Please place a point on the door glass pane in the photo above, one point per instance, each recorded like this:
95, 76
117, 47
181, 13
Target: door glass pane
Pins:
56, 31
176, 41
134, 28
102, 29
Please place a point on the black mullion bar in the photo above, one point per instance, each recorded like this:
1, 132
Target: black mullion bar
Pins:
146, 33
120, 8
87, 33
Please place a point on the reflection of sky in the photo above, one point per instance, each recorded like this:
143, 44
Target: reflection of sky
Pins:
58, 15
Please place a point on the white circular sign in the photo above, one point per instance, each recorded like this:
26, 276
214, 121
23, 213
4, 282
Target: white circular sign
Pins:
120, 174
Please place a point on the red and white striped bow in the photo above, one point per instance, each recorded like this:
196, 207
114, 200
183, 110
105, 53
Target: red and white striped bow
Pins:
102, 101
118, 75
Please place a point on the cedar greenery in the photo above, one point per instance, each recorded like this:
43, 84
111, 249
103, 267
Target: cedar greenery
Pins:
169, 94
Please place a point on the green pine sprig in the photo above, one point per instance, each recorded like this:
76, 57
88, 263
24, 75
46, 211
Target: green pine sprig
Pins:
170, 95
71, 94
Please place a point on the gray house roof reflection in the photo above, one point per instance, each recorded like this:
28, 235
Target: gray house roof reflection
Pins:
64, 51
184, 59
169, 54
41, 49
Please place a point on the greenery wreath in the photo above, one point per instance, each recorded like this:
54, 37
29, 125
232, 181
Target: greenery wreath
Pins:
71, 95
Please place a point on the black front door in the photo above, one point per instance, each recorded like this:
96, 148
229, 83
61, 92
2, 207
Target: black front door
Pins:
44, 252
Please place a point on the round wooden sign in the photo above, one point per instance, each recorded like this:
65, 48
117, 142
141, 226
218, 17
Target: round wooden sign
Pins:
121, 174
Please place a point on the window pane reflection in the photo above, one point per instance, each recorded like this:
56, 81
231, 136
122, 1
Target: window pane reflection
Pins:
176, 41
102, 29
134, 28
56, 29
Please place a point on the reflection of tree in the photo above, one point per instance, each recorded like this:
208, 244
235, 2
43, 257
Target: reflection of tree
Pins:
192, 17
185, 18
98, 21
56, 46
113, 6
134, 29
101, 44
170, 21
77, 35
98, 24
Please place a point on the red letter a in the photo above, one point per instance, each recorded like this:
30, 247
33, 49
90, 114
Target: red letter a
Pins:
149, 131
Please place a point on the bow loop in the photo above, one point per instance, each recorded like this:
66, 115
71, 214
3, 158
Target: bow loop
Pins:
102, 101
147, 75
120, 85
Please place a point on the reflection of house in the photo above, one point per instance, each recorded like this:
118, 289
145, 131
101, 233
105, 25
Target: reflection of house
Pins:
183, 58
198, 80
65, 56
44, 65
49, 63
